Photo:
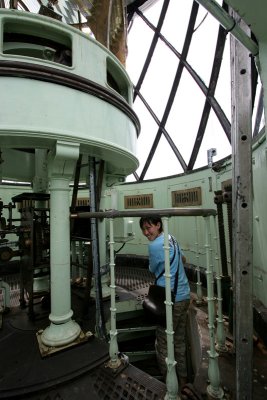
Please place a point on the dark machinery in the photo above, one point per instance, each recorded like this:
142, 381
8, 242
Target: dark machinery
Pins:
30, 252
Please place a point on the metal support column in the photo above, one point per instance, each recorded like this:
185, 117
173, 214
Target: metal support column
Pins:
242, 215
62, 330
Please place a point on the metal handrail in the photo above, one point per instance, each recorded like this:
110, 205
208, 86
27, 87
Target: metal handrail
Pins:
166, 212
171, 379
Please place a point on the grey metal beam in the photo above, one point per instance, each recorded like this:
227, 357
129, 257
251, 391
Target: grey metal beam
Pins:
242, 214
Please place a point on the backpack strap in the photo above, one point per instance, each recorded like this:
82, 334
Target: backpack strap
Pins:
177, 271
175, 245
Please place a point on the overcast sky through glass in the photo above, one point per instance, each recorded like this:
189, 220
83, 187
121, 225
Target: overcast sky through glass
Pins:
183, 122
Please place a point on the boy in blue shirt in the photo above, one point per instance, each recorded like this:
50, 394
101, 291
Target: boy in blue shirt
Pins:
152, 228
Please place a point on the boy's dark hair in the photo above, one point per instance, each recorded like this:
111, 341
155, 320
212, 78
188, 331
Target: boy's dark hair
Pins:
151, 220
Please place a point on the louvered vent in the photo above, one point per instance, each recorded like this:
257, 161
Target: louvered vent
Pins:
138, 201
83, 201
187, 197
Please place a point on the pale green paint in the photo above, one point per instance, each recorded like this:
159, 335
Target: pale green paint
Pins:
184, 227
254, 13
48, 112
214, 388
62, 329
89, 57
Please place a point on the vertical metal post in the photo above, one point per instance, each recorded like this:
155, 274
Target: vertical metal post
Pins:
171, 378
211, 267
214, 389
100, 323
242, 214
220, 346
113, 344
199, 283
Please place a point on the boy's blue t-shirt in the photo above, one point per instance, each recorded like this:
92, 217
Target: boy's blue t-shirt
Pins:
157, 265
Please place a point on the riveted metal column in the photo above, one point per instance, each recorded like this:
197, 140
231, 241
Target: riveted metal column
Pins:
171, 378
63, 329
242, 215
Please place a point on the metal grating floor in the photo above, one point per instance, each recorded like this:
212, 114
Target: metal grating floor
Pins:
133, 278
131, 384
95, 380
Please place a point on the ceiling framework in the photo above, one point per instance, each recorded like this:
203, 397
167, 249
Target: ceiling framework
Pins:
108, 21
209, 92
173, 91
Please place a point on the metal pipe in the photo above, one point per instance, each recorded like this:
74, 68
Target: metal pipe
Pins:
211, 268
113, 344
199, 283
227, 197
167, 212
214, 388
171, 378
100, 323
220, 346
229, 24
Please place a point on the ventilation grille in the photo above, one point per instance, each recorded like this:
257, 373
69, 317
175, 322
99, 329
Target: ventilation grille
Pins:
188, 197
138, 201
83, 201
